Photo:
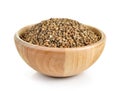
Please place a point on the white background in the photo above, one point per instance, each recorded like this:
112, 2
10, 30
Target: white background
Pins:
16, 75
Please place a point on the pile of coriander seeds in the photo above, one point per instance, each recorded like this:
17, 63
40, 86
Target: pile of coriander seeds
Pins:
60, 33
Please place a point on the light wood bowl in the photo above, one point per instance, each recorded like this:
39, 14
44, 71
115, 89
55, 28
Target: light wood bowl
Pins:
59, 62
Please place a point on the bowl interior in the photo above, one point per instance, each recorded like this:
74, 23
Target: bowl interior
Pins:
97, 31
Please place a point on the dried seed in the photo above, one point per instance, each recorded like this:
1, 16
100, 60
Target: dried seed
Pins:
61, 33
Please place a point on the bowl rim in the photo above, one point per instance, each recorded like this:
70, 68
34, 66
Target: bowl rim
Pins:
17, 38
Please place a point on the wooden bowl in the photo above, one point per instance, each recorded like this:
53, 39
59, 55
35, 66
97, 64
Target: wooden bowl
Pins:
59, 62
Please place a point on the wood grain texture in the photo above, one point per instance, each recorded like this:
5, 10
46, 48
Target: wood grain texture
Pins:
78, 60
59, 62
